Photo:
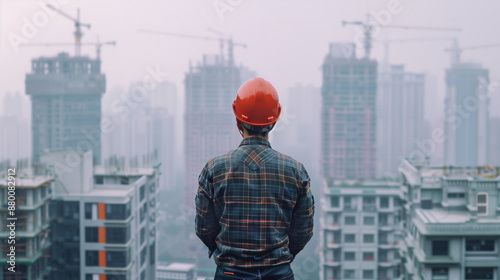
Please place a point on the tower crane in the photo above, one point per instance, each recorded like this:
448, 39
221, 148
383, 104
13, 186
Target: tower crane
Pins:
98, 45
368, 29
229, 41
455, 51
386, 42
78, 31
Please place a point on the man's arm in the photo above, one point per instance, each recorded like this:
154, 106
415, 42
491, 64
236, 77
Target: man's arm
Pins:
301, 228
206, 225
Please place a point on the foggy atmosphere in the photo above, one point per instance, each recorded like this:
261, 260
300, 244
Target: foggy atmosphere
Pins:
234, 139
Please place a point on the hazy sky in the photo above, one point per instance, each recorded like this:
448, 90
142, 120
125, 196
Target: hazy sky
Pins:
287, 40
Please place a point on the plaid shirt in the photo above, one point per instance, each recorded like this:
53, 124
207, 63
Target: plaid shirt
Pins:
254, 207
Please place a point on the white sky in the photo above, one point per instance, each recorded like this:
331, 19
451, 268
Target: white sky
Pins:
287, 40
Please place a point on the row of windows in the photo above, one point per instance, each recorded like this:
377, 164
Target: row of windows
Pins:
366, 274
485, 273
369, 202
441, 247
113, 258
113, 235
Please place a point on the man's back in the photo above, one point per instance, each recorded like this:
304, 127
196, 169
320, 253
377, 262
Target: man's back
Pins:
254, 206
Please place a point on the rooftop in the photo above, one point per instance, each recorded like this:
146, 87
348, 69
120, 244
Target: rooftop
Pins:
127, 171
182, 267
26, 178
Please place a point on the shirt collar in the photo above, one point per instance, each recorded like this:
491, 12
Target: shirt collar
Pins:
255, 141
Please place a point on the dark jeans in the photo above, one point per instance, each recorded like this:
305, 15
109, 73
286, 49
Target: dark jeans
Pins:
279, 272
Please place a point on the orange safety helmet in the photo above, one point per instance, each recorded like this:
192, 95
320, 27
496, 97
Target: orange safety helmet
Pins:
257, 103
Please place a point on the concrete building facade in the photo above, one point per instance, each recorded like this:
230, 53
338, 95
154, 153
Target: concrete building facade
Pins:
66, 103
466, 115
104, 222
360, 230
451, 221
400, 118
349, 114
32, 227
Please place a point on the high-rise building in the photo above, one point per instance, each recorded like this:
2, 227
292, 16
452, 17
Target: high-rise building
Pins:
32, 247
360, 230
210, 125
15, 129
452, 222
66, 103
104, 222
348, 114
466, 115
400, 117
494, 150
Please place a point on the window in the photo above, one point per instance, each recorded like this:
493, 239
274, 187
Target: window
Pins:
116, 259
479, 273
368, 220
91, 258
440, 247
350, 220
369, 203
334, 201
349, 274
349, 238
368, 238
384, 202
368, 274
349, 256
117, 211
142, 192
348, 203
91, 234
368, 256
98, 180
480, 245
440, 273
456, 195
482, 204
143, 234
144, 252
89, 211
152, 253
117, 235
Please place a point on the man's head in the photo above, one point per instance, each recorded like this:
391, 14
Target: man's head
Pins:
256, 108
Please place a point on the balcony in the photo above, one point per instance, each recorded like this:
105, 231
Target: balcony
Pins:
332, 262
350, 208
388, 244
332, 245
369, 208
386, 227
332, 226
388, 262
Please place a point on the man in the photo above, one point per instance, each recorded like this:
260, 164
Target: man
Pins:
254, 207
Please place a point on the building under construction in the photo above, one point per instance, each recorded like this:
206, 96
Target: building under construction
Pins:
66, 103
349, 114
32, 243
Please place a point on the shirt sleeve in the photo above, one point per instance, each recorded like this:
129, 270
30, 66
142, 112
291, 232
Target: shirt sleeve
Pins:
206, 224
301, 228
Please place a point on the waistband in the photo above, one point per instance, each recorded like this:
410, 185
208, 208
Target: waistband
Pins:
277, 269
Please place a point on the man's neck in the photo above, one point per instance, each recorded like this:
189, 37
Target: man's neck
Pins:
246, 135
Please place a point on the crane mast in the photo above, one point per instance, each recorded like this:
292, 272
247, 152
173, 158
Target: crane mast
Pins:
78, 27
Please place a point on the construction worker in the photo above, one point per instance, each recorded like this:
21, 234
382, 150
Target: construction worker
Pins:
254, 206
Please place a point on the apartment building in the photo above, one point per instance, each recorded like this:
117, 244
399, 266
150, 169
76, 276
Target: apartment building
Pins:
452, 222
360, 230
32, 231
104, 219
